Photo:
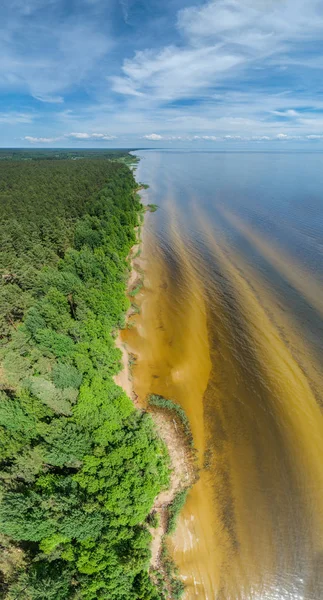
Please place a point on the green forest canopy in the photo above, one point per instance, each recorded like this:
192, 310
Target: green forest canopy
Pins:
80, 467
63, 153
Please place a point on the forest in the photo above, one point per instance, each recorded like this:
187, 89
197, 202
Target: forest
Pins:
66, 153
80, 467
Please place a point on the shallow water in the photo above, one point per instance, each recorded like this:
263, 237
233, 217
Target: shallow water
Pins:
231, 327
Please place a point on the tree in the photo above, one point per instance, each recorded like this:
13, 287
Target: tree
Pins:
80, 466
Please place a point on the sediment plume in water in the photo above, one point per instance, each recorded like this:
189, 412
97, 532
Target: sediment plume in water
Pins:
211, 337
306, 284
272, 439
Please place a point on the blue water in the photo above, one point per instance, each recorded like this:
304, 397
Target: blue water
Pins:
278, 196
252, 227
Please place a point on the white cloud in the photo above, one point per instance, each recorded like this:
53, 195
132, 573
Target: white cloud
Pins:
43, 54
260, 138
229, 112
40, 140
174, 72
215, 18
221, 38
168, 138
212, 138
97, 137
122, 85
102, 136
226, 48
229, 71
50, 99
185, 138
262, 25
78, 136
285, 113
90, 136
153, 136
13, 118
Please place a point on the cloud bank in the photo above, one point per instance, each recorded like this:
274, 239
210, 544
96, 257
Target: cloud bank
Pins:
203, 71
80, 137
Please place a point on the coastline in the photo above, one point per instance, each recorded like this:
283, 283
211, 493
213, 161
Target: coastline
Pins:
124, 377
169, 428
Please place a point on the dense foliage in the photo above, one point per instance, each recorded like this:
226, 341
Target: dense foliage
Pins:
174, 509
80, 467
63, 153
169, 405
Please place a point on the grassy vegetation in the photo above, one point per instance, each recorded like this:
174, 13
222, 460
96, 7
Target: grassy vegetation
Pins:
138, 253
174, 509
79, 467
153, 519
136, 289
152, 207
135, 309
132, 360
174, 587
163, 403
169, 584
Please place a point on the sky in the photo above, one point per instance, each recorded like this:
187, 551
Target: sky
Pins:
154, 73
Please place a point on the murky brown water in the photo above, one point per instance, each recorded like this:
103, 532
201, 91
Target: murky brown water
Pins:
231, 328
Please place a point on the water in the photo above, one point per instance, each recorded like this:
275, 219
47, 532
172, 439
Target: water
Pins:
232, 328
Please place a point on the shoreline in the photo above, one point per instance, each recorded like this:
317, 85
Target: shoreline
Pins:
183, 469
124, 377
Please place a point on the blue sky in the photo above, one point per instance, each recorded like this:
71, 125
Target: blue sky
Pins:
101, 73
